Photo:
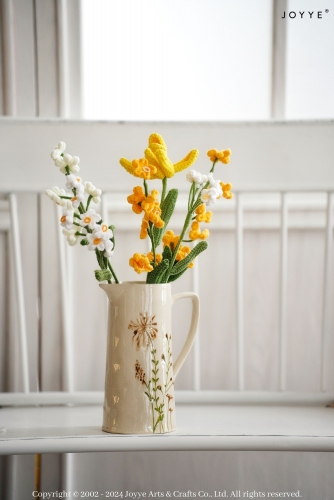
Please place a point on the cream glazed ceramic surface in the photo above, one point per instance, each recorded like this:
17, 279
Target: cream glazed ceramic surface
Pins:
140, 372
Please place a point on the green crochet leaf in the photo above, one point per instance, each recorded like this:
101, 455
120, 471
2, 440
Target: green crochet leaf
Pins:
182, 265
174, 277
103, 275
156, 275
167, 209
167, 253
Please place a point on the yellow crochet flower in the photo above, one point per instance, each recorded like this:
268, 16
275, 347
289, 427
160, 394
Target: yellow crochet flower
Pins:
158, 257
195, 232
202, 214
223, 156
169, 239
141, 168
226, 190
143, 229
156, 155
137, 197
182, 253
140, 263
152, 209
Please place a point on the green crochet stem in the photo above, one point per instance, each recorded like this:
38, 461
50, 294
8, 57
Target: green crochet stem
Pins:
164, 189
104, 264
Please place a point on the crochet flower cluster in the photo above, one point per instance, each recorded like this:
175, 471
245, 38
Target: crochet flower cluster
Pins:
78, 220
205, 191
82, 223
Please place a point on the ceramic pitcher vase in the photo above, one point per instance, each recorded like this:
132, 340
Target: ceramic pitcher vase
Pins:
140, 371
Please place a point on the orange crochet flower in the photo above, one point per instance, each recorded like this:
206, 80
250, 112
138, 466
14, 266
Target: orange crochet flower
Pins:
152, 209
196, 233
223, 156
136, 199
158, 257
182, 253
169, 239
140, 263
202, 214
226, 190
141, 168
143, 229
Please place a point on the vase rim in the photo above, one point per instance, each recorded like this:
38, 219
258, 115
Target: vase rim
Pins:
133, 283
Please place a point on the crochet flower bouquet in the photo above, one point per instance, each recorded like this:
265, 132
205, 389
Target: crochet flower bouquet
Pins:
80, 222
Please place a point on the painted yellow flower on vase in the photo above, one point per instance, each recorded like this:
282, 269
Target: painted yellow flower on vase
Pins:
156, 156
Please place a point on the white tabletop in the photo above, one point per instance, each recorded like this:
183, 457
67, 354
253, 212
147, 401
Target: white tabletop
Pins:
60, 429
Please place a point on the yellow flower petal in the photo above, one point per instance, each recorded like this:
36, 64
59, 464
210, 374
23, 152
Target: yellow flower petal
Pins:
150, 156
187, 161
165, 164
156, 139
127, 164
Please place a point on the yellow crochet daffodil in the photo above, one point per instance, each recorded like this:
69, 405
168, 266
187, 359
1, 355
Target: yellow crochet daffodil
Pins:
156, 155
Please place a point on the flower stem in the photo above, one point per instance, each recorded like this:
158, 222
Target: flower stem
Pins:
184, 230
112, 272
150, 233
164, 189
90, 197
213, 165
145, 188
81, 208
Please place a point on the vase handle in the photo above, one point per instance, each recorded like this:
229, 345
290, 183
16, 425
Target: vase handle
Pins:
192, 331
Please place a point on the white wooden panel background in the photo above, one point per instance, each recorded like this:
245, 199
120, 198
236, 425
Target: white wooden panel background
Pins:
271, 157
31, 69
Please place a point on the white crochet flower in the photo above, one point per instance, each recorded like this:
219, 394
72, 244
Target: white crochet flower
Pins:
197, 177
55, 193
93, 191
72, 162
209, 196
66, 219
79, 196
103, 231
73, 181
109, 246
90, 219
57, 152
215, 184
95, 241
71, 237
